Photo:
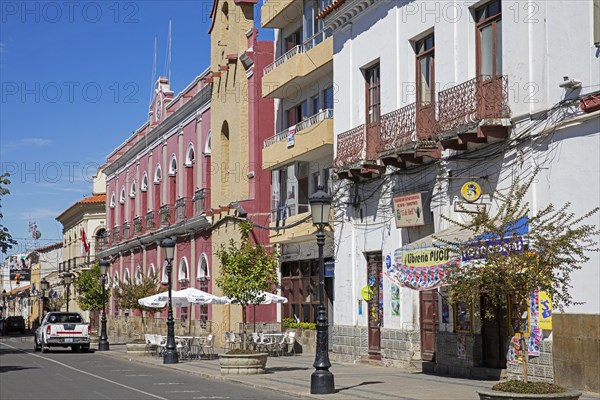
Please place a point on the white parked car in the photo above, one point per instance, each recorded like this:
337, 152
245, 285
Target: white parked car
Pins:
62, 329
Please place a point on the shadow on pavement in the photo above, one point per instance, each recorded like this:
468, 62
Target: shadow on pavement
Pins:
360, 384
10, 368
271, 370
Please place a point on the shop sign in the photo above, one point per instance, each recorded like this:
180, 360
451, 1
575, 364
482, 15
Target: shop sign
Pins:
545, 306
329, 269
408, 210
470, 191
291, 139
480, 250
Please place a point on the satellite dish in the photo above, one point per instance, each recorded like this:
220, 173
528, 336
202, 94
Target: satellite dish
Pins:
36, 234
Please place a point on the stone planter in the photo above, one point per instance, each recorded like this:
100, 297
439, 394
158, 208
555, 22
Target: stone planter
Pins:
243, 364
136, 349
497, 395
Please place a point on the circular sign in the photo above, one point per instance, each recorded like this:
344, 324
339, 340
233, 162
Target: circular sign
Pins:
470, 191
388, 261
366, 293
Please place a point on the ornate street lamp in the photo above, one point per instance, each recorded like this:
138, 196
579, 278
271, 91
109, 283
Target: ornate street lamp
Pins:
103, 344
170, 356
321, 380
67, 276
44, 286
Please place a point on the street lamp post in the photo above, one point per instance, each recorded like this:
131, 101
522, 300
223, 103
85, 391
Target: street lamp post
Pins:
4, 311
68, 277
170, 356
44, 286
103, 344
321, 380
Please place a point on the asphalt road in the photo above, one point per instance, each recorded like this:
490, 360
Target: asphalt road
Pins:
62, 374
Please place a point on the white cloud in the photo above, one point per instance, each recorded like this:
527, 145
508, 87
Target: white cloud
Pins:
37, 142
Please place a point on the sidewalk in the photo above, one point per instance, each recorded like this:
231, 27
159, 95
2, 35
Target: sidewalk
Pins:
291, 375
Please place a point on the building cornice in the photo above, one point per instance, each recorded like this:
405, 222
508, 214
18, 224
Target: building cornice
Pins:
188, 110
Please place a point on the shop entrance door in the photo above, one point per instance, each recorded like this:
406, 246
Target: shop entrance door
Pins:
494, 332
375, 311
428, 307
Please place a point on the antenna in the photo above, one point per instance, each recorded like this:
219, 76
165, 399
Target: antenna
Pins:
153, 71
169, 50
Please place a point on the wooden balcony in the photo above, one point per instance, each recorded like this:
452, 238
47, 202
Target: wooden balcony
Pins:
474, 112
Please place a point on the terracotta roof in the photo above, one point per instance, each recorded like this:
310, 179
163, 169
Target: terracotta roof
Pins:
97, 198
329, 9
49, 247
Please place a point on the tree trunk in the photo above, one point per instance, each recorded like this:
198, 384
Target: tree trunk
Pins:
244, 306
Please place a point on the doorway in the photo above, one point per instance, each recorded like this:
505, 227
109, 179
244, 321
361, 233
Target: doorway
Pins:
428, 307
375, 303
494, 332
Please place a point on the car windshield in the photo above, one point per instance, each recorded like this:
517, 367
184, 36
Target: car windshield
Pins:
66, 318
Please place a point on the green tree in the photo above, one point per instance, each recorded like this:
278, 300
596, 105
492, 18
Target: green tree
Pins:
6, 240
247, 270
89, 289
127, 295
557, 243
56, 303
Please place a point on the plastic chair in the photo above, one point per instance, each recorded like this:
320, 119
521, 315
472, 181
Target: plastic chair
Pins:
208, 346
290, 342
229, 341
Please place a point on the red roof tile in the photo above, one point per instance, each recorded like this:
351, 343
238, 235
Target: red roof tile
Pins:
97, 198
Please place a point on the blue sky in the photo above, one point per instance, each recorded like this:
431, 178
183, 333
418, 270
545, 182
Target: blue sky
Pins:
75, 82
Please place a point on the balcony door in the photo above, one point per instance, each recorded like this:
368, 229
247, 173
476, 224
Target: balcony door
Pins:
489, 59
373, 109
425, 87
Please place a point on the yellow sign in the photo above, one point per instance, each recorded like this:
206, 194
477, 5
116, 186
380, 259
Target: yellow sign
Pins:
470, 191
423, 258
545, 313
366, 293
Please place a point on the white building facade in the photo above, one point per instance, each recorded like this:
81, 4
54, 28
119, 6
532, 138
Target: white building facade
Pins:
435, 95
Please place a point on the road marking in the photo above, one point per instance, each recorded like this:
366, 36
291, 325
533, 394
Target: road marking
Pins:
138, 375
169, 383
89, 374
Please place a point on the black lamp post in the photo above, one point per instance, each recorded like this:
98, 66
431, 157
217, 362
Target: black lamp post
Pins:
67, 276
170, 356
321, 380
4, 311
44, 286
103, 344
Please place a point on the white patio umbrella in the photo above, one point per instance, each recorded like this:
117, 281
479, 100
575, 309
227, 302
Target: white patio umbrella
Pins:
269, 298
181, 298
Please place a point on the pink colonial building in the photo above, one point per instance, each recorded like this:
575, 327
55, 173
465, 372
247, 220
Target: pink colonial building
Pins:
157, 186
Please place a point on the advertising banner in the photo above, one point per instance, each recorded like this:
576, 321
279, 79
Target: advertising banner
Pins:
422, 269
408, 210
19, 265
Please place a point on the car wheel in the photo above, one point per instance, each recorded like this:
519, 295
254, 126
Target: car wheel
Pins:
85, 349
75, 348
36, 346
45, 349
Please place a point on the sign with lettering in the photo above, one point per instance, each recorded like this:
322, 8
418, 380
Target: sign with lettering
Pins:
545, 311
480, 250
408, 210
291, 139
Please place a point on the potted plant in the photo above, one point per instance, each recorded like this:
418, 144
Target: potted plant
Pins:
247, 270
515, 266
127, 294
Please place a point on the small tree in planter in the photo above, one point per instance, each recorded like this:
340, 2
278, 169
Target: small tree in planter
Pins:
127, 295
89, 289
514, 267
247, 270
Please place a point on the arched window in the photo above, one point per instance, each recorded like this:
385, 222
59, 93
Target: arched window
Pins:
157, 174
203, 273
132, 189
184, 275
138, 275
190, 155
151, 271
122, 196
144, 186
126, 279
112, 200
116, 280
207, 148
173, 165
164, 278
